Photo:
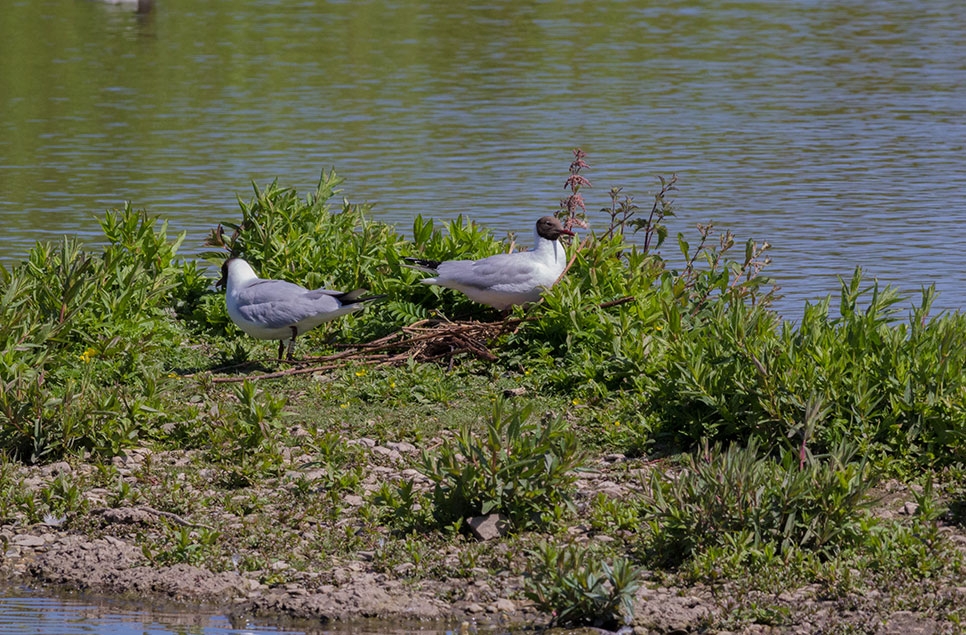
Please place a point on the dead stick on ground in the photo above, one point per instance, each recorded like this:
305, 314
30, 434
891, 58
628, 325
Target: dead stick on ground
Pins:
178, 520
462, 337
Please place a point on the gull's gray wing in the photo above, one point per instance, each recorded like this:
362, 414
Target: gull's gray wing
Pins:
279, 304
499, 270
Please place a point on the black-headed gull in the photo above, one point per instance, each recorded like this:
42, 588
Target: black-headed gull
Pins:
280, 310
504, 280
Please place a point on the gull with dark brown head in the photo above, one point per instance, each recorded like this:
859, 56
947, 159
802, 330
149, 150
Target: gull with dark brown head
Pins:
505, 280
281, 310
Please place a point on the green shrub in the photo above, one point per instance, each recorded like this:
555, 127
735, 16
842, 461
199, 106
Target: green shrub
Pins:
244, 440
579, 588
893, 388
799, 502
518, 468
79, 337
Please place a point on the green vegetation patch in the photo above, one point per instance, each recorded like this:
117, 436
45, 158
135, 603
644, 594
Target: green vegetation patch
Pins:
734, 450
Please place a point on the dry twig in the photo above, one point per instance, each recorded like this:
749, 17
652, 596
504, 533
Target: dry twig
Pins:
428, 340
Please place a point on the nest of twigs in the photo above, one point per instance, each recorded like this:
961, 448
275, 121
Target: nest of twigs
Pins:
431, 340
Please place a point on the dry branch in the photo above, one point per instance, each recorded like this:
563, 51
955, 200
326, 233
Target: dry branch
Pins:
424, 341
428, 340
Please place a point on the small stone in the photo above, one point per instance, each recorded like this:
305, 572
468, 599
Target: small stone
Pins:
503, 605
280, 565
474, 608
315, 475
610, 489
402, 447
392, 455
341, 576
97, 497
353, 501
910, 508
56, 469
27, 540
615, 457
404, 569
488, 527
515, 392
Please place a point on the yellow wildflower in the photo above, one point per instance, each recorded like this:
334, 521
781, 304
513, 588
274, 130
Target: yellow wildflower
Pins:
361, 373
88, 355
575, 402
344, 405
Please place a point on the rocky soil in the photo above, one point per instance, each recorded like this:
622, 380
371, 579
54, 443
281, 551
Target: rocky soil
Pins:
98, 551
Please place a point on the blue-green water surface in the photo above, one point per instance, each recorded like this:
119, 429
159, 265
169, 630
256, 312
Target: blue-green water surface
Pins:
833, 130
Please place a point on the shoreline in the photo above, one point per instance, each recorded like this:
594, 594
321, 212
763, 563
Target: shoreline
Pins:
95, 553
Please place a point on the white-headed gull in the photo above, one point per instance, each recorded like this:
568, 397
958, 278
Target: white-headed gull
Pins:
280, 310
504, 280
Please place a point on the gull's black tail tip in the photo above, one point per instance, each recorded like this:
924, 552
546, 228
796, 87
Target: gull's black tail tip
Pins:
426, 265
358, 296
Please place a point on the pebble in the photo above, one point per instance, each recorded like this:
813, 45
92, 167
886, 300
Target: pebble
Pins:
404, 569
415, 476
392, 455
488, 527
97, 496
610, 489
401, 446
28, 540
56, 469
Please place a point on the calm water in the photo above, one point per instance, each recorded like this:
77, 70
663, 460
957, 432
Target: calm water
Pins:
24, 611
40, 615
833, 130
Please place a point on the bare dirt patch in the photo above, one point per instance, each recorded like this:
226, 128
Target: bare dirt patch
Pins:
102, 551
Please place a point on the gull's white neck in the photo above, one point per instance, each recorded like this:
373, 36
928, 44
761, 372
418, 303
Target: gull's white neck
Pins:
240, 272
553, 250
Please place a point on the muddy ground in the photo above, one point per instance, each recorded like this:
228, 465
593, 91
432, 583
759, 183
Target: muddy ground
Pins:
99, 553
